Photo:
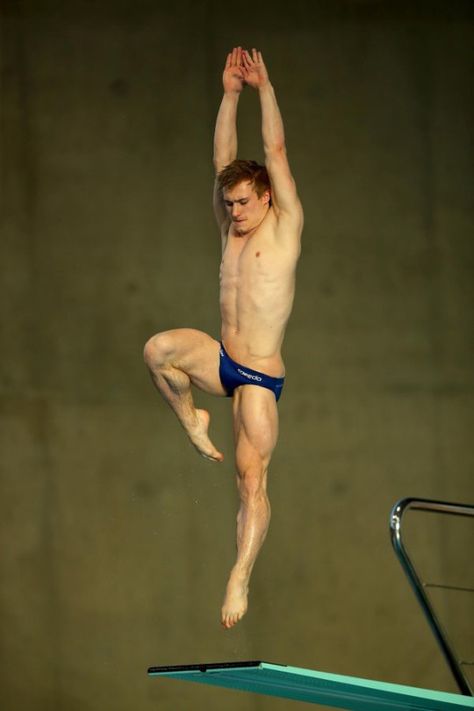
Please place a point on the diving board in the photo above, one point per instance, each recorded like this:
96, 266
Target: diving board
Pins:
341, 692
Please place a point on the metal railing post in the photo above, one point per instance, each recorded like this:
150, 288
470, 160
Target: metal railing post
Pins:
396, 517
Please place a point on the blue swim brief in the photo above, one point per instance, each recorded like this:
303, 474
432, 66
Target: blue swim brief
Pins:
233, 374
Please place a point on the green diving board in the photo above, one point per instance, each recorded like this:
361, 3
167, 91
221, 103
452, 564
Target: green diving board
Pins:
314, 687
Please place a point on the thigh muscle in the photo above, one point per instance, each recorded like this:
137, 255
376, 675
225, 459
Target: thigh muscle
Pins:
255, 426
197, 355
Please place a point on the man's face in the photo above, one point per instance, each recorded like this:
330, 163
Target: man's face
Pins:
244, 207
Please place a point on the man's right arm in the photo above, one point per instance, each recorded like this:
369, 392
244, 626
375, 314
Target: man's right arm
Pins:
225, 134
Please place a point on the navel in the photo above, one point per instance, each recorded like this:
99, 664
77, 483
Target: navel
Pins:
257, 254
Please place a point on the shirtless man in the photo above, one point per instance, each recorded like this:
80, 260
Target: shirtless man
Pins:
260, 219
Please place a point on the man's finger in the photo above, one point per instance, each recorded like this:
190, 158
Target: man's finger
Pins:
246, 59
229, 60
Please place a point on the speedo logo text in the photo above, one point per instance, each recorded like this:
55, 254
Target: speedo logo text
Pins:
247, 375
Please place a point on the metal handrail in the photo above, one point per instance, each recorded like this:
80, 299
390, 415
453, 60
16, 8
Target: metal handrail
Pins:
396, 516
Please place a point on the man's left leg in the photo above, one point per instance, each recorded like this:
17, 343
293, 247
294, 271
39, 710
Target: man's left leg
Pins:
256, 432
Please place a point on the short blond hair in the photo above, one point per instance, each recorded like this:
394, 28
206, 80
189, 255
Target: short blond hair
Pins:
244, 170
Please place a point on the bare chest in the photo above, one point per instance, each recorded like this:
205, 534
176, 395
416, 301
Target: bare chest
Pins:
252, 261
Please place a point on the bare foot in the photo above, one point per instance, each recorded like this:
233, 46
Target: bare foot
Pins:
199, 438
235, 601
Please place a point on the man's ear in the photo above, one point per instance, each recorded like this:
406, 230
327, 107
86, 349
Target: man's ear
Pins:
266, 197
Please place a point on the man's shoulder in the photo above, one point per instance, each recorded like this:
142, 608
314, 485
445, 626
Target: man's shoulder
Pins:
281, 235
288, 223
291, 210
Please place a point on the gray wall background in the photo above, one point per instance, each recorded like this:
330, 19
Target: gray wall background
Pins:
116, 538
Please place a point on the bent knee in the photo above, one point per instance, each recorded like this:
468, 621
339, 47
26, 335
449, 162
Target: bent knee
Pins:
158, 350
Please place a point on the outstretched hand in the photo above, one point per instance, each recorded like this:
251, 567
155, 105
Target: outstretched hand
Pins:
254, 70
233, 76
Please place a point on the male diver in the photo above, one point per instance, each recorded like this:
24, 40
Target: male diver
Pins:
260, 219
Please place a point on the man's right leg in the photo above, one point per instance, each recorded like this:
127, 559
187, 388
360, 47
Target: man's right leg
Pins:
176, 359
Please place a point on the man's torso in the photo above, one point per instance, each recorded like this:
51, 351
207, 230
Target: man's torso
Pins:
257, 283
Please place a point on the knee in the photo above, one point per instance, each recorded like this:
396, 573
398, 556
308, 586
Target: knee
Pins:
158, 350
252, 482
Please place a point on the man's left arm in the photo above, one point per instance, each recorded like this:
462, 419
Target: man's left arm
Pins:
284, 194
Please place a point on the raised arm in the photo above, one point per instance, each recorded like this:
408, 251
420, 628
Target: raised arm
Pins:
284, 194
225, 134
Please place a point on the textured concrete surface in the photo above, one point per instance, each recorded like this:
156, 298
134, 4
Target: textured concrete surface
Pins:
116, 538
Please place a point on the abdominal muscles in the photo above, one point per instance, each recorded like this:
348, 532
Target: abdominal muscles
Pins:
256, 297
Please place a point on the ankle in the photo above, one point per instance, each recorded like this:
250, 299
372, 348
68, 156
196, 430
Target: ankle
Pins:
240, 573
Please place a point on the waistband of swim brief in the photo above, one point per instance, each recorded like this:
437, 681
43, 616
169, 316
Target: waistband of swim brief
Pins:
251, 371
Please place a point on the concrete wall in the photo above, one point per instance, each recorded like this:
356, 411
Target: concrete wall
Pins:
116, 537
